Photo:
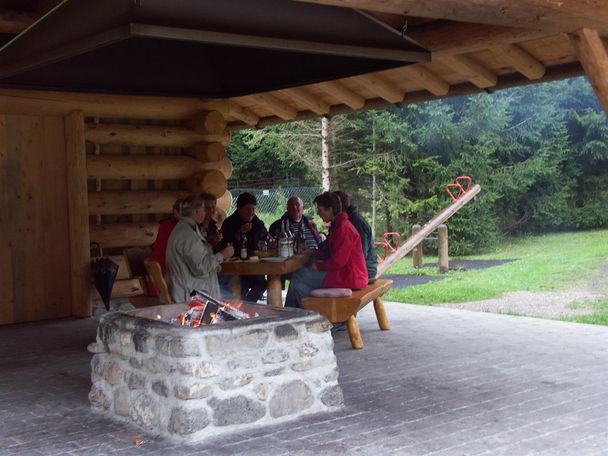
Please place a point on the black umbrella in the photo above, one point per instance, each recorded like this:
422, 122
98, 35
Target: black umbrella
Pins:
104, 272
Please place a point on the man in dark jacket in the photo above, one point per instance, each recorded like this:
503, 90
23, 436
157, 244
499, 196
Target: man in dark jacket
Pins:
365, 231
297, 222
244, 224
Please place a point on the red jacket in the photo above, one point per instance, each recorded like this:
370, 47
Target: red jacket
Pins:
346, 265
159, 248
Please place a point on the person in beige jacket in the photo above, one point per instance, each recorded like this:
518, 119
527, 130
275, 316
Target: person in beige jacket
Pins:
191, 263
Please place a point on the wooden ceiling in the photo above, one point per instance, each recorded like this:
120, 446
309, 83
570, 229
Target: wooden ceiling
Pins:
476, 46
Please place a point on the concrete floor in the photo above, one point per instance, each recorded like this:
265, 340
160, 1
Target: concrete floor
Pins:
441, 382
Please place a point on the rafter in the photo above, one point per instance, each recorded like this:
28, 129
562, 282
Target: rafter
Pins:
474, 71
276, 106
242, 114
339, 91
557, 16
592, 55
521, 60
382, 87
312, 102
426, 79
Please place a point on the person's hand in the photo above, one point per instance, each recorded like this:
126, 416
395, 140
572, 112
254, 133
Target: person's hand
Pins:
246, 227
227, 252
313, 265
219, 268
217, 238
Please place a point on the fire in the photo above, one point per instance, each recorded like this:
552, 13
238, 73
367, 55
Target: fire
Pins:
206, 310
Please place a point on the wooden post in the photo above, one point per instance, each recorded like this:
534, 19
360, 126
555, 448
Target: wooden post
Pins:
591, 52
442, 248
7, 301
78, 214
417, 252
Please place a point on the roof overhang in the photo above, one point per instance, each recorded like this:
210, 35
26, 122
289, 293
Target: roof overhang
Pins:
199, 48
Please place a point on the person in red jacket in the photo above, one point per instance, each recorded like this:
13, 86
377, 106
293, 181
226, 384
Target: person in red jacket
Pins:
343, 268
159, 248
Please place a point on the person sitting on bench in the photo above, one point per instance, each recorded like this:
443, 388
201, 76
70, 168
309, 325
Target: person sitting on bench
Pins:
365, 231
344, 268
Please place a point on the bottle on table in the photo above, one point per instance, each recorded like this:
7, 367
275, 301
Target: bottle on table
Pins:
244, 253
291, 238
283, 241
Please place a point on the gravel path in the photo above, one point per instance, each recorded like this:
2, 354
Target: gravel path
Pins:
534, 304
578, 301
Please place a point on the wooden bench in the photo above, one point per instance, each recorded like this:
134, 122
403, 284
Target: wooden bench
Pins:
156, 274
338, 310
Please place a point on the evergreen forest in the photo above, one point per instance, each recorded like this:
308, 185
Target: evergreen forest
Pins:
540, 154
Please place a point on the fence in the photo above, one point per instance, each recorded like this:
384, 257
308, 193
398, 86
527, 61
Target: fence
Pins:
272, 202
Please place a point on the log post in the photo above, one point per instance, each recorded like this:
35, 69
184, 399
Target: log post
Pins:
417, 251
78, 214
212, 181
208, 152
442, 247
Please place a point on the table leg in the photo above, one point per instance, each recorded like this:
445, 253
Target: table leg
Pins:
274, 291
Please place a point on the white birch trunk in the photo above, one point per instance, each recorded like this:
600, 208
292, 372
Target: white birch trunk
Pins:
324, 154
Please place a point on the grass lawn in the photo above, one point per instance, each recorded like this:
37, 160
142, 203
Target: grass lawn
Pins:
543, 263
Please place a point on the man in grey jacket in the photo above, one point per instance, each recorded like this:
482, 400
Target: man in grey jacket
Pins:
191, 263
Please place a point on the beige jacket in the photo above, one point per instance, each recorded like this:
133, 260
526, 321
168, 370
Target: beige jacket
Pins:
191, 263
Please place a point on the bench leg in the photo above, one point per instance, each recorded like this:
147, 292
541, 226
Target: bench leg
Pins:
381, 314
354, 333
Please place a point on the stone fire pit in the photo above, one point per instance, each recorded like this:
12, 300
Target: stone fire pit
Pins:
189, 383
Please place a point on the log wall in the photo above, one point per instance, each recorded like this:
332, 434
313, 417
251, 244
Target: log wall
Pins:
69, 176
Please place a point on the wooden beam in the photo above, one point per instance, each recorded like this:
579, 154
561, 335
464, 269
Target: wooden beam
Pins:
276, 106
342, 93
521, 60
149, 135
508, 81
207, 122
124, 234
14, 22
426, 79
592, 54
557, 16
124, 167
78, 214
39, 102
474, 71
315, 104
277, 43
380, 86
242, 114
133, 202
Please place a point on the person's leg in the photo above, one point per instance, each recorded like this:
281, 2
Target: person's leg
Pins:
302, 282
256, 288
224, 282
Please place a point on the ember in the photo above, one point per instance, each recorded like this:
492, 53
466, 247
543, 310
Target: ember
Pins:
206, 310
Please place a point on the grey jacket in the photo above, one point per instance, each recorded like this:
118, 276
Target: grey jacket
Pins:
191, 263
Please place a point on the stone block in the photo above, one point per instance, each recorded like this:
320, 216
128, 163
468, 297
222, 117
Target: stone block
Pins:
228, 343
107, 369
157, 366
142, 340
332, 396
160, 388
275, 356
122, 404
290, 398
184, 422
286, 332
236, 410
200, 369
308, 350
262, 390
145, 411
135, 380
274, 372
178, 347
98, 397
193, 391
236, 382
318, 326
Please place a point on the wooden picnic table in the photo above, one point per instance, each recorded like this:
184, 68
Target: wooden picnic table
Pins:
272, 269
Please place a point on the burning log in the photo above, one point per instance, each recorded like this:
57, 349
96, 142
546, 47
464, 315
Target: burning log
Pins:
206, 310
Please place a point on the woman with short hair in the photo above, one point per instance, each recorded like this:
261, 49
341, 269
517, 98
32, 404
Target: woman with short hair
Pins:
343, 268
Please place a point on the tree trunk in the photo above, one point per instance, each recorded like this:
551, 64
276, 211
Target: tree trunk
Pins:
324, 153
